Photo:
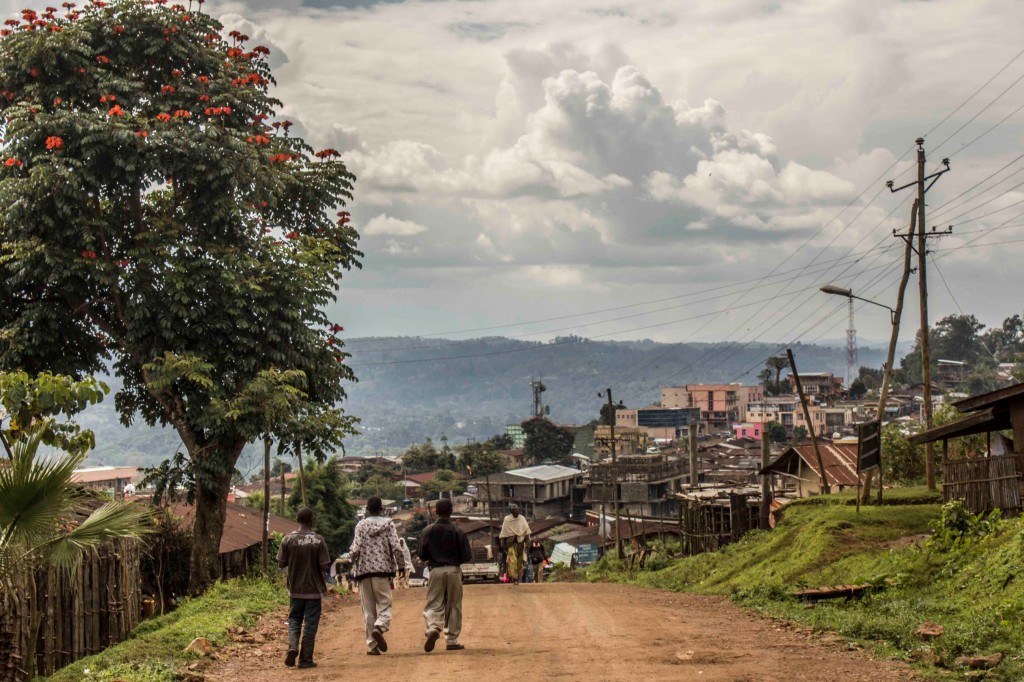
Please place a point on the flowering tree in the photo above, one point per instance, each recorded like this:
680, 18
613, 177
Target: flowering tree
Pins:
154, 217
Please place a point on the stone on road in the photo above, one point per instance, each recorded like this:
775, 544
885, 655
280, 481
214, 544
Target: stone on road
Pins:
564, 631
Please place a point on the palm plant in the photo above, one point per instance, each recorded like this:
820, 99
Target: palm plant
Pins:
39, 509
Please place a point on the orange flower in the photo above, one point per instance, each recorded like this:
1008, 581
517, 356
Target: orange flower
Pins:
292, 235
103, 59
13, 162
204, 79
163, 117
57, 101
91, 255
204, 98
182, 113
116, 111
54, 142
119, 29
142, 133
168, 89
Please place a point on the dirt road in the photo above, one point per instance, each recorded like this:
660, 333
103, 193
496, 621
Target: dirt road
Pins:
562, 631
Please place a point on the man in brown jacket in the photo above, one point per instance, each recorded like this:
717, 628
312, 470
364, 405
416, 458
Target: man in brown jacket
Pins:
304, 554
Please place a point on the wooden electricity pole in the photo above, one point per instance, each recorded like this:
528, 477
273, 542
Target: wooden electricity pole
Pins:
302, 474
694, 464
266, 505
922, 279
825, 487
615, 474
766, 489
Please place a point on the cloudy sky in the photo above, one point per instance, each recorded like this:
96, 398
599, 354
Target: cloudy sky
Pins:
658, 169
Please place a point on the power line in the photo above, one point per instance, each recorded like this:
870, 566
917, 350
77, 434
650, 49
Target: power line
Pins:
975, 93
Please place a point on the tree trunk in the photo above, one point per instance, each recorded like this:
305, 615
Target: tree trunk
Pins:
211, 510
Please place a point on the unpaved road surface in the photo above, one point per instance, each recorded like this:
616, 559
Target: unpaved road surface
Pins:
560, 631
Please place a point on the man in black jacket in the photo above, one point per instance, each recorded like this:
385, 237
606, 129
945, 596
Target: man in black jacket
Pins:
444, 548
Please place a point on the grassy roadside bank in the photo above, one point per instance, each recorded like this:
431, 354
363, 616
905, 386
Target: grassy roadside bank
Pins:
965, 578
155, 653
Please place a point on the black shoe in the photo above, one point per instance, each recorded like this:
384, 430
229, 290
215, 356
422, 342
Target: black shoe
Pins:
455, 647
373, 652
432, 636
289, 659
307, 664
378, 637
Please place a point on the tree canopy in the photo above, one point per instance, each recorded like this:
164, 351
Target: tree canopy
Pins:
156, 218
546, 441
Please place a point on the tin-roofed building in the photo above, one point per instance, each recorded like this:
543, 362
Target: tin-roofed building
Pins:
798, 470
540, 491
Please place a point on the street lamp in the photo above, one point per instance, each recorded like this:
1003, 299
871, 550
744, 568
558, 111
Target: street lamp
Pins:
883, 397
839, 291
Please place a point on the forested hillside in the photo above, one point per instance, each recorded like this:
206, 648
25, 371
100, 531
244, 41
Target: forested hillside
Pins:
406, 392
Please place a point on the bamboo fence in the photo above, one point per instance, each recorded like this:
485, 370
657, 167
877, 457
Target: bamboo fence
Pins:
984, 483
50, 618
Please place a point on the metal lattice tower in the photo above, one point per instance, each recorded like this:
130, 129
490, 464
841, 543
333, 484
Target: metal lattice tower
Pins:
851, 349
538, 403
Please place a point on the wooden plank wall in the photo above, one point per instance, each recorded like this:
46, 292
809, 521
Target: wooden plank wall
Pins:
49, 618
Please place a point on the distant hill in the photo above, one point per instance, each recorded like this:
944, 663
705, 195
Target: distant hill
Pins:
408, 391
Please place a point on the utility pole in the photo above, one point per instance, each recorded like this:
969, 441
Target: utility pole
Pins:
694, 464
825, 487
766, 489
922, 279
615, 474
266, 505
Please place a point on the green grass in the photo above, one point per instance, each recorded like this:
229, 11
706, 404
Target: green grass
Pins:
155, 651
975, 591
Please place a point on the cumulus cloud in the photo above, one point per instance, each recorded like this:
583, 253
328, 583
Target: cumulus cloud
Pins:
385, 224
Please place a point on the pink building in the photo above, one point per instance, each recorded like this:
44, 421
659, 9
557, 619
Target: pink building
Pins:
721, 405
748, 430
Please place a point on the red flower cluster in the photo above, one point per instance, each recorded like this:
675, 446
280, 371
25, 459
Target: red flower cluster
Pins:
259, 139
34, 72
168, 90
240, 37
119, 29
163, 117
204, 98
185, 17
122, 263
337, 328
107, 98
91, 255
343, 217
217, 111
116, 111
182, 113
142, 133
204, 79
54, 142
283, 157
330, 342
177, 73
13, 162
292, 235
57, 101
260, 49
327, 153
102, 59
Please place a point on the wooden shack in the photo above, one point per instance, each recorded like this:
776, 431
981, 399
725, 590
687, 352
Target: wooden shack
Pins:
992, 481
797, 468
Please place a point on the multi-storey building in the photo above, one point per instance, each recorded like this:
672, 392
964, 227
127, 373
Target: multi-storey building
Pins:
720, 405
660, 423
786, 410
824, 387
629, 440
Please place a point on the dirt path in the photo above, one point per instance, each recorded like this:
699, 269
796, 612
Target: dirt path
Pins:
562, 631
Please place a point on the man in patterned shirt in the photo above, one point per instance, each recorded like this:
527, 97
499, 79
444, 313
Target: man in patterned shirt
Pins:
376, 558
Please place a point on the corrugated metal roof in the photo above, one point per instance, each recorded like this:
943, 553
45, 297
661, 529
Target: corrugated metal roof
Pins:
243, 526
100, 474
545, 472
840, 461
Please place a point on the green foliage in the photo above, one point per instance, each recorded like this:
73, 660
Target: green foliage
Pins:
546, 441
442, 484
40, 399
39, 505
152, 220
957, 528
380, 486
771, 376
901, 461
480, 460
777, 432
423, 458
325, 495
158, 643
799, 434
858, 389
502, 441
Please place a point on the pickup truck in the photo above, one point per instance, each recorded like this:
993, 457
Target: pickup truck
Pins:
482, 568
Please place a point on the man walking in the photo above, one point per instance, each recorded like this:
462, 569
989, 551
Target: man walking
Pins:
444, 548
515, 536
304, 554
537, 560
376, 558
406, 570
